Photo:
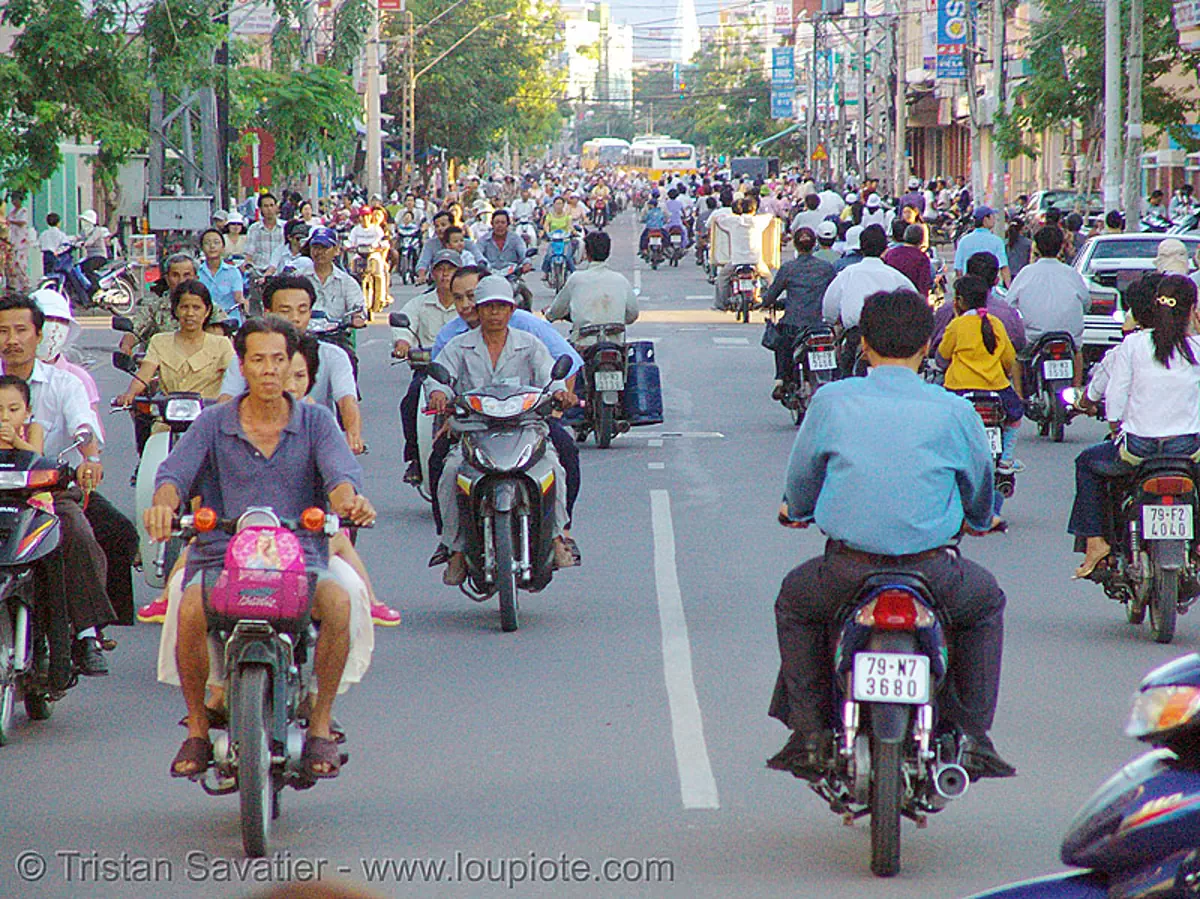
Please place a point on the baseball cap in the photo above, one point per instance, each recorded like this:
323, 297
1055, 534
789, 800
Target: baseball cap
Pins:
451, 256
322, 237
982, 212
851, 197
873, 201
494, 289
235, 218
826, 230
220, 215
914, 183
852, 236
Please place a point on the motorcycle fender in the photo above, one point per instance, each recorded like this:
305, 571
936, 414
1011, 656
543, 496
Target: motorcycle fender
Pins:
505, 496
156, 449
610, 397
256, 652
1168, 555
1069, 885
890, 720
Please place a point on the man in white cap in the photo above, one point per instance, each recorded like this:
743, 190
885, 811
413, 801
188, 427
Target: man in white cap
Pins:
875, 214
827, 233
494, 353
851, 251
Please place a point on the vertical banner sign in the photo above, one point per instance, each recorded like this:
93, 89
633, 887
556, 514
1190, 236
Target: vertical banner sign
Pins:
1187, 22
951, 38
783, 82
783, 104
783, 17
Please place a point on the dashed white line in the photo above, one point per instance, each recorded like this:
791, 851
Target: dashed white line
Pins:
637, 279
656, 466
654, 443
731, 341
697, 786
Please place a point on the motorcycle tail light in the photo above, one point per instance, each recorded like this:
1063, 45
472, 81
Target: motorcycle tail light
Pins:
1168, 485
205, 519
1162, 708
43, 477
1058, 350
1102, 305
895, 610
312, 519
991, 415
609, 357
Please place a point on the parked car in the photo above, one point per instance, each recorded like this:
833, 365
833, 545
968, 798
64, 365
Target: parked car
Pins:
1067, 200
1109, 263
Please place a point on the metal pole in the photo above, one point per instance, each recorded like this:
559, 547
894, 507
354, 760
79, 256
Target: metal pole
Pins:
1112, 106
862, 98
1133, 129
374, 124
409, 160
901, 157
997, 199
814, 69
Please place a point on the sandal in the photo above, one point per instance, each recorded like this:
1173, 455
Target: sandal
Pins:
195, 751
218, 719
1082, 575
321, 751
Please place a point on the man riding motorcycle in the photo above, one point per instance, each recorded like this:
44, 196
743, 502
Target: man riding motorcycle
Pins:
858, 434
595, 294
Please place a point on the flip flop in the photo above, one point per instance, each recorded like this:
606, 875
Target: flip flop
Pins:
217, 719
321, 751
1083, 576
195, 750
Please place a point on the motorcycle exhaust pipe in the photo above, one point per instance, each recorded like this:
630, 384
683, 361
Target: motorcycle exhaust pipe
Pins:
950, 781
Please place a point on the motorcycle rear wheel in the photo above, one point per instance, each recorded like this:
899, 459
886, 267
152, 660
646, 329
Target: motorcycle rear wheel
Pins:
606, 424
253, 716
1058, 420
1163, 605
506, 575
887, 784
122, 298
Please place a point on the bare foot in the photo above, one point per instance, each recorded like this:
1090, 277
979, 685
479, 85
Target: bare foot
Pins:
1097, 550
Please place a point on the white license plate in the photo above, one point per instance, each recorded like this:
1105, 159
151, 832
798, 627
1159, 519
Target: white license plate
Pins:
746, 285
891, 677
676, 240
656, 241
610, 380
1167, 522
822, 360
1058, 369
996, 439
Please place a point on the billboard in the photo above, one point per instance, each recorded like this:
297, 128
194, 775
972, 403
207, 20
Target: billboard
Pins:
951, 38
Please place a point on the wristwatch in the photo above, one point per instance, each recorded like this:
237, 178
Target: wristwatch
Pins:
91, 458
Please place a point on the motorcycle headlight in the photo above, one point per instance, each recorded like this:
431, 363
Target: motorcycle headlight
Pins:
183, 409
1160, 709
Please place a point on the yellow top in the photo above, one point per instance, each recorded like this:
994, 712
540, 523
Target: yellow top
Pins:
972, 367
201, 372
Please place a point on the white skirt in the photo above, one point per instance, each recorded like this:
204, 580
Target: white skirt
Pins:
362, 631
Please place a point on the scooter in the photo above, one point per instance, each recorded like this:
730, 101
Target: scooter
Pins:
744, 292
410, 253
418, 361
990, 408
528, 232
513, 273
1136, 837
654, 248
30, 637
599, 213
112, 286
506, 488
558, 259
814, 364
604, 360
258, 611
1049, 371
677, 252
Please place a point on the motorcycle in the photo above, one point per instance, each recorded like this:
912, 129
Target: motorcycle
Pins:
744, 290
1136, 837
528, 232
513, 273
112, 286
340, 332
676, 252
599, 212
258, 611
29, 637
410, 254
1048, 372
1153, 537
558, 259
506, 488
655, 253
418, 360
814, 364
604, 362
990, 408
369, 267
889, 759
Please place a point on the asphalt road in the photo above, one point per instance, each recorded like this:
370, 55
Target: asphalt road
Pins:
626, 720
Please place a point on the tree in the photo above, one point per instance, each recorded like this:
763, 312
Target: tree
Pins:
1066, 80
496, 84
71, 74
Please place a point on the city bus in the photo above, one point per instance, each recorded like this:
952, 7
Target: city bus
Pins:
662, 157
603, 151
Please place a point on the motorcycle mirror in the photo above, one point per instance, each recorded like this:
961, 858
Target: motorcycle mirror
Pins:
531, 252
121, 323
124, 362
440, 373
398, 320
1119, 315
562, 368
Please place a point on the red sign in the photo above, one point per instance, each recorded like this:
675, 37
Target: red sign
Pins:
256, 161
389, 5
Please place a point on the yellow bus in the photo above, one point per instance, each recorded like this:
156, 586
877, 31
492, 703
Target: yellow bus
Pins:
603, 151
662, 157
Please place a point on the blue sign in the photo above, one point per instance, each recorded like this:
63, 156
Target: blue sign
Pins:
783, 68
783, 104
950, 63
951, 22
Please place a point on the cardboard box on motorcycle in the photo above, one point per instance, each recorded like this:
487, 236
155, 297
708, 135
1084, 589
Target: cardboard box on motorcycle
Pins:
719, 239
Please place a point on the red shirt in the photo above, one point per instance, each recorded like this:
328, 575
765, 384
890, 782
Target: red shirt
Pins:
913, 264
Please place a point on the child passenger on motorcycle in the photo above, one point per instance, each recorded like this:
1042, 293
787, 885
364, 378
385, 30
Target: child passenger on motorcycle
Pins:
654, 219
17, 432
981, 357
456, 240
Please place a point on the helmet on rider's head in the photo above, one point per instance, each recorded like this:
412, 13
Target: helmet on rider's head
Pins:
914, 183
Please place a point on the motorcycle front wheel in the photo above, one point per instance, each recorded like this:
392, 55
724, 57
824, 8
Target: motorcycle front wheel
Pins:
606, 424
253, 716
1163, 605
121, 298
8, 676
506, 574
887, 783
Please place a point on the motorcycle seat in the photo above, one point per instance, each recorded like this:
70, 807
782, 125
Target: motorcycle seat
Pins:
1167, 463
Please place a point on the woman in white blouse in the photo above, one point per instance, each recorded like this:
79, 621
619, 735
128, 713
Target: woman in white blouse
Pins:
1154, 393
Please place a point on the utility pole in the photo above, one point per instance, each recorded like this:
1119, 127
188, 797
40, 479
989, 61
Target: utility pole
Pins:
999, 90
862, 96
1133, 128
1112, 106
971, 66
374, 121
814, 69
901, 154
408, 160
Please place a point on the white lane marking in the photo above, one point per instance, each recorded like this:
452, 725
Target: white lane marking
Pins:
656, 466
653, 443
698, 296
658, 435
697, 787
731, 341
637, 279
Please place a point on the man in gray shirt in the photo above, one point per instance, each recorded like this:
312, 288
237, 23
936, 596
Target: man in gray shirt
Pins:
264, 449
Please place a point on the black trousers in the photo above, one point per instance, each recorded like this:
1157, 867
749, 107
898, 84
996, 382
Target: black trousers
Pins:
810, 599
408, 420
118, 538
788, 334
564, 445
77, 568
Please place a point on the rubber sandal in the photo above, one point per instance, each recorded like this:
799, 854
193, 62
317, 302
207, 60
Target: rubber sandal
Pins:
195, 750
324, 751
217, 719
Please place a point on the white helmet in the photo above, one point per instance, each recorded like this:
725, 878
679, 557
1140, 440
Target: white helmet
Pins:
914, 183
89, 216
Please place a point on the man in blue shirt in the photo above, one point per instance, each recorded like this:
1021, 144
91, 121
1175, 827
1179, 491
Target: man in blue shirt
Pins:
891, 469
982, 240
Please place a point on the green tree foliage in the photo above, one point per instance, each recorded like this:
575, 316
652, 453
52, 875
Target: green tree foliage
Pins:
495, 83
70, 75
1066, 80
311, 112
729, 104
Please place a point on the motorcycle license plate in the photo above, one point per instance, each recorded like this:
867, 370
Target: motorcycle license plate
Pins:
822, 360
891, 677
996, 440
1058, 369
1167, 522
746, 285
656, 241
609, 380
676, 240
